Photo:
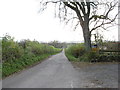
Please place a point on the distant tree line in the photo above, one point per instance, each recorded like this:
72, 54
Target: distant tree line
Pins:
58, 44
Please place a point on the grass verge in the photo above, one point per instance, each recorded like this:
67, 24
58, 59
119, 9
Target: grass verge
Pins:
13, 66
70, 57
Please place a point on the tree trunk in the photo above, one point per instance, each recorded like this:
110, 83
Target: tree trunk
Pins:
84, 23
86, 34
87, 40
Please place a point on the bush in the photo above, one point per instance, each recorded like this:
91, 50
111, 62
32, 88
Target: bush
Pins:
70, 57
18, 55
96, 57
76, 50
10, 49
108, 58
89, 56
37, 48
77, 53
73, 52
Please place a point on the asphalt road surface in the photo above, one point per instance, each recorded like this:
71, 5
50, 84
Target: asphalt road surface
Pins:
55, 72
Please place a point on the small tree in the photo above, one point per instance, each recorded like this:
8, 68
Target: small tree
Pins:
86, 12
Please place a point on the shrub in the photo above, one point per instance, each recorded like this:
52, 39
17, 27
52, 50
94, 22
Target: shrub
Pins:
38, 49
70, 57
10, 49
18, 55
89, 56
108, 58
76, 50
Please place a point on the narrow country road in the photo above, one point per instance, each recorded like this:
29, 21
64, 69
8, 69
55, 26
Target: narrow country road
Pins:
58, 72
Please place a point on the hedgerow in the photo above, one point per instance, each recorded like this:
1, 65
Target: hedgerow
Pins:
19, 55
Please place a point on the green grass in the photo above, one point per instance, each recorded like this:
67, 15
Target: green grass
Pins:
71, 57
17, 65
74, 51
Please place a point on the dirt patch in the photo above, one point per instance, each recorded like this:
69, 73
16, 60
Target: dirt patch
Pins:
87, 64
98, 75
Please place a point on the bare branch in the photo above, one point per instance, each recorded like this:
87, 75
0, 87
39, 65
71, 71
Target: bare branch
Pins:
76, 26
71, 19
104, 16
76, 10
81, 8
70, 6
88, 7
105, 23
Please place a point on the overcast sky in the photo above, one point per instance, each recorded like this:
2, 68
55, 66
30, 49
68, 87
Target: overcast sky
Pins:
20, 19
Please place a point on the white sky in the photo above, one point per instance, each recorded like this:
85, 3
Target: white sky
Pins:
20, 19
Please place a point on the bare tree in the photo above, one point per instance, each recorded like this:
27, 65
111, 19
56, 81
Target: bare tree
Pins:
87, 14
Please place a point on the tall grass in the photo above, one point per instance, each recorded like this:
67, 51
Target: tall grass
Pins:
19, 55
